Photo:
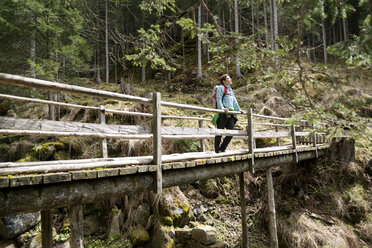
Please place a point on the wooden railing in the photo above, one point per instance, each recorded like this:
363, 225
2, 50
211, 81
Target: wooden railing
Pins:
258, 126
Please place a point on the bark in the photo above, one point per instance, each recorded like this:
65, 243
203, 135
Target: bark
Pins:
271, 25
324, 42
106, 42
266, 25
275, 22
200, 73
238, 75
143, 74
344, 25
252, 12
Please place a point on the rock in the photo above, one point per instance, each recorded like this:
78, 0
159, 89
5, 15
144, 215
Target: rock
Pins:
163, 237
209, 188
204, 234
7, 243
142, 214
342, 150
113, 231
64, 245
139, 236
12, 226
354, 92
35, 242
125, 88
182, 234
174, 203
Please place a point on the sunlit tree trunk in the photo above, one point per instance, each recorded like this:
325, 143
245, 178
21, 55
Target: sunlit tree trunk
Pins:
238, 75
106, 42
33, 51
143, 74
344, 25
252, 12
200, 73
183, 49
271, 24
275, 22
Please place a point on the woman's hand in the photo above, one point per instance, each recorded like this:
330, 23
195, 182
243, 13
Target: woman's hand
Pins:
226, 110
243, 112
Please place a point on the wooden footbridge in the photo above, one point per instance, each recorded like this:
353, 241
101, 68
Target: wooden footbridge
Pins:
45, 185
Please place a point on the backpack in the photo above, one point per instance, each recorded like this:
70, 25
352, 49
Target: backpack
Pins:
214, 95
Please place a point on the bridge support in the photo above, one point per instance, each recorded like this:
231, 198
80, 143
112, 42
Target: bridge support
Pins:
46, 229
243, 211
76, 224
272, 218
156, 142
102, 120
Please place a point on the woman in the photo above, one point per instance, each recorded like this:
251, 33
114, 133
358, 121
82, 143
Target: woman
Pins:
226, 101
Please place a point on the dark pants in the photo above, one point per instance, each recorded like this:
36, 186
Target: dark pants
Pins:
223, 122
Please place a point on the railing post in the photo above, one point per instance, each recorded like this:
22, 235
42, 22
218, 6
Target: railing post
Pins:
46, 229
202, 142
277, 139
102, 120
314, 142
156, 141
272, 218
76, 224
243, 211
52, 115
294, 145
250, 137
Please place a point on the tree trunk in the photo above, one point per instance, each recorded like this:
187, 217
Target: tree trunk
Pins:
106, 42
238, 75
266, 26
258, 27
324, 41
200, 73
33, 47
275, 22
252, 12
183, 49
143, 75
272, 24
344, 25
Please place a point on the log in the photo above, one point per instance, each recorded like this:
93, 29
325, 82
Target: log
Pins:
76, 224
46, 229
243, 211
272, 219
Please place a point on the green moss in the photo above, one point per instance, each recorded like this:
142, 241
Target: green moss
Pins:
139, 236
167, 220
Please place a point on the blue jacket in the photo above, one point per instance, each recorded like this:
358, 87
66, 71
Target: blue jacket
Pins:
229, 101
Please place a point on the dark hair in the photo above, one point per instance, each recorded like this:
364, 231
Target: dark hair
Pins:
223, 78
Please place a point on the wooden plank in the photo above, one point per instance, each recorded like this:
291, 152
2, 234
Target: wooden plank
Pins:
178, 165
211, 161
143, 168
129, 170
25, 180
56, 177
190, 164
107, 173
82, 175
156, 141
4, 182
167, 166
152, 168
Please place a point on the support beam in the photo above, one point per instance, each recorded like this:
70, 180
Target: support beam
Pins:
46, 229
202, 142
156, 142
102, 120
76, 224
315, 143
243, 211
272, 218
250, 137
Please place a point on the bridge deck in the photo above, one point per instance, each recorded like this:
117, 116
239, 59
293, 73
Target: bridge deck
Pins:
33, 173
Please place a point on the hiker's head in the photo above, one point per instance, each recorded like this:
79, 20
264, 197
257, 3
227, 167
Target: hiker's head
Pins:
225, 79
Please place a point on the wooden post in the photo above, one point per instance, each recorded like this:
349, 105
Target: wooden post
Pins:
46, 229
102, 120
277, 139
243, 211
294, 145
250, 137
315, 143
76, 224
272, 218
52, 115
156, 130
202, 142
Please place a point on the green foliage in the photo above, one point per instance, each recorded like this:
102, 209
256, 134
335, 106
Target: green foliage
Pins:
148, 50
63, 235
159, 6
110, 243
357, 51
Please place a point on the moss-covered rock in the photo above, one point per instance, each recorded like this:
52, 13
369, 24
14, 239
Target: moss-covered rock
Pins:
163, 236
209, 188
139, 236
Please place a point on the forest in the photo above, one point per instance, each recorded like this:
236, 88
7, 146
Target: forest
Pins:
301, 59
